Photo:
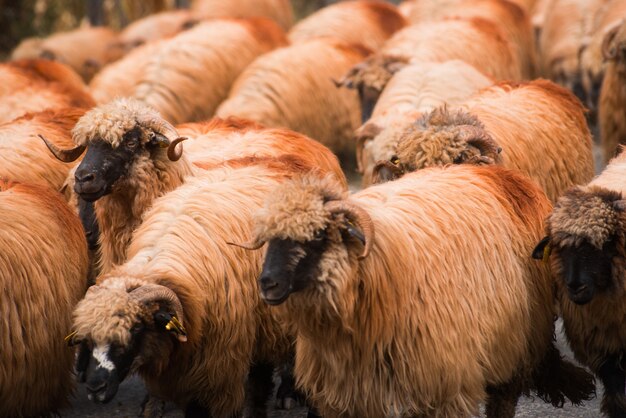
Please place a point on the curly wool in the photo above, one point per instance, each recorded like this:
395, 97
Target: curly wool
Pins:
110, 300
434, 140
296, 210
585, 214
110, 121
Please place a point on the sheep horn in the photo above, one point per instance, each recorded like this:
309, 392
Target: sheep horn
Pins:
65, 155
158, 125
173, 153
360, 217
365, 133
479, 138
250, 245
609, 52
148, 293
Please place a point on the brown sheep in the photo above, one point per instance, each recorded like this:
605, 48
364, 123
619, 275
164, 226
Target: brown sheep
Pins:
476, 41
181, 267
25, 158
367, 22
128, 163
43, 265
586, 250
612, 104
420, 11
415, 89
191, 73
278, 10
537, 127
293, 87
38, 85
592, 61
402, 307
562, 35
84, 49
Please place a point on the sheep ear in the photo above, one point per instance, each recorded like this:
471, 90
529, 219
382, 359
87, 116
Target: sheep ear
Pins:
168, 322
539, 253
620, 205
386, 171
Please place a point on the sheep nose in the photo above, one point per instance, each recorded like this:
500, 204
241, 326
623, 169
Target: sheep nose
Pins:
84, 177
267, 283
95, 387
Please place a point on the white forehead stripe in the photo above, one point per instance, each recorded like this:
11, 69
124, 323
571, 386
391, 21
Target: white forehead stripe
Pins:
101, 354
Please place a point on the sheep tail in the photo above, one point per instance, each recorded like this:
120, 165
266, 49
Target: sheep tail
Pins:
557, 378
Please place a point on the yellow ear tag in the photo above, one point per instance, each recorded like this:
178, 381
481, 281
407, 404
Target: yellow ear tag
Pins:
175, 326
68, 338
546, 253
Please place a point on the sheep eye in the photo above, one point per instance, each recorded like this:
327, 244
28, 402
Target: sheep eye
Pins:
132, 142
319, 235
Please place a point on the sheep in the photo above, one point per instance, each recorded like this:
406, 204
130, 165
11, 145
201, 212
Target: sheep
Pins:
584, 247
271, 91
25, 158
476, 41
394, 319
38, 85
180, 268
415, 89
592, 61
536, 127
85, 49
278, 10
43, 265
191, 73
420, 11
133, 157
562, 35
369, 23
612, 105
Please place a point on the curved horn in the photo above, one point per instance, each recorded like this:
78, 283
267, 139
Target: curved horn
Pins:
158, 125
173, 153
65, 155
479, 138
250, 245
365, 133
360, 217
148, 293
608, 52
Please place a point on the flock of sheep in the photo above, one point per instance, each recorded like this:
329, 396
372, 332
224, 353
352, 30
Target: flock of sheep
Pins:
185, 215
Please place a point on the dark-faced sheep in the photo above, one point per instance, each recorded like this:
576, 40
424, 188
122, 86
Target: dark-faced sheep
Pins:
417, 88
43, 266
585, 245
367, 22
184, 310
271, 91
476, 41
538, 128
399, 304
612, 106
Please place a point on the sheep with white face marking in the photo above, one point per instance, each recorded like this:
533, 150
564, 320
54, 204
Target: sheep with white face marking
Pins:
394, 316
43, 265
477, 41
181, 270
585, 245
415, 89
365, 22
537, 127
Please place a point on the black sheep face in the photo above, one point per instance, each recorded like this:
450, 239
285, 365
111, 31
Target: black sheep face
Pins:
290, 266
103, 165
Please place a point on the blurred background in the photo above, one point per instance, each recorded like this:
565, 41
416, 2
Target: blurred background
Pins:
26, 18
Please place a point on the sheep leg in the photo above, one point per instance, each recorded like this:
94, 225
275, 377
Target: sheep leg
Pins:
613, 377
502, 399
287, 396
152, 407
195, 410
259, 388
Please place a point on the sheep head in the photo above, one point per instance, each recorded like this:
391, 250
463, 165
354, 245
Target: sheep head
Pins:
439, 138
369, 78
310, 226
116, 136
121, 325
614, 44
585, 242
